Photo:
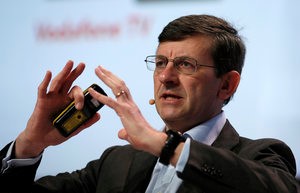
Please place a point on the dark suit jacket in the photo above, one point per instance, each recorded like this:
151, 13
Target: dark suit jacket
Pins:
233, 164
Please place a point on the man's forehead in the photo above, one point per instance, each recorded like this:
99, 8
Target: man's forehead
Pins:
194, 45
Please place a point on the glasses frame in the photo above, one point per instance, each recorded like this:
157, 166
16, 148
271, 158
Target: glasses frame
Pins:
197, 65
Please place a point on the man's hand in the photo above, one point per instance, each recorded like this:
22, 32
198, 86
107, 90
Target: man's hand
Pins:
39, 132
137, 131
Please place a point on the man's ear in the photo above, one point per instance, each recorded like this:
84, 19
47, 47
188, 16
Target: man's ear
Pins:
229, 84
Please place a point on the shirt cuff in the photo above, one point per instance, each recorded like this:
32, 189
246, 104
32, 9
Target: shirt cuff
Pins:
7, 162
183, 158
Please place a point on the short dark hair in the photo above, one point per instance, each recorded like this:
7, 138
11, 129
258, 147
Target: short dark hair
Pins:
228, 49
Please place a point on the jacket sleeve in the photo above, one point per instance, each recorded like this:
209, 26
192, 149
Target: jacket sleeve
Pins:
22, 179
16, 177
261, 166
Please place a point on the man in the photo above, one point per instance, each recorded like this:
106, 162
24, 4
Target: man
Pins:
197, 70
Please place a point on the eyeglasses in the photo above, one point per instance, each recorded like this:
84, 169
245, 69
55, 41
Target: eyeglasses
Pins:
183, 64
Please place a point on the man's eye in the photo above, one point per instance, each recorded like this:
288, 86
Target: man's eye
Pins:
185, 64
160, 64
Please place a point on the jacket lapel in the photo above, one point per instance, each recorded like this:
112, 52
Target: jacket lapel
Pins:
228, 137
139, 173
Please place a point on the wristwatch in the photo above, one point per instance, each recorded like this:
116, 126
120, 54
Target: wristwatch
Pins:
173, 140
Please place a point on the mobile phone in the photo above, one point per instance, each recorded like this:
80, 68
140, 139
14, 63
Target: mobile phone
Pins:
70, 118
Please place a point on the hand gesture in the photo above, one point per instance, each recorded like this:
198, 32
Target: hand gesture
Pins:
39, 132
137, 130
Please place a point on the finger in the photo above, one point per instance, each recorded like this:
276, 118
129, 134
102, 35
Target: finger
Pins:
42, 88
77, 95
109, 75
103, 99
122, 134
60, 77
117, 85
111, 80
72, 77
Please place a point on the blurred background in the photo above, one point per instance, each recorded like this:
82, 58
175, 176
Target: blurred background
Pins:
41, 35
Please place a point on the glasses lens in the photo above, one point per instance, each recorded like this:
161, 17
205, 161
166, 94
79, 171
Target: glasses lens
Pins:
150, 62
155, 62
160, 62
185, 65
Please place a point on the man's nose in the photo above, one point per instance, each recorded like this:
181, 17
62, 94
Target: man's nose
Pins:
169, 73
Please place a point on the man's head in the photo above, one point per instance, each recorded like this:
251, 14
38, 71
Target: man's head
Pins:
227, 49
185, 97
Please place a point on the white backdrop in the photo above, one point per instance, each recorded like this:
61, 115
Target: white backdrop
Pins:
40, 35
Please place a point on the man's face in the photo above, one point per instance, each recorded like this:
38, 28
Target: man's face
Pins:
184, 101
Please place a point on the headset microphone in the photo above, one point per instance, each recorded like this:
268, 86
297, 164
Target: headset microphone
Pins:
151, 101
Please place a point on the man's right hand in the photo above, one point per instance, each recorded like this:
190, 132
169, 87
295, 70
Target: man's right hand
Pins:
39, 132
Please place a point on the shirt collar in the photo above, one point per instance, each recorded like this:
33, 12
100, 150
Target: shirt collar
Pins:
208, 131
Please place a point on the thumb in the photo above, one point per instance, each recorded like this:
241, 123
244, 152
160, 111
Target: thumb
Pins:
122, 134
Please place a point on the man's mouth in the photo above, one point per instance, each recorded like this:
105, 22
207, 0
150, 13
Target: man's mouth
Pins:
170, 96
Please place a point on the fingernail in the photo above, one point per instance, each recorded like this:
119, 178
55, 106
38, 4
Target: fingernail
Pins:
79, 105
99, 69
